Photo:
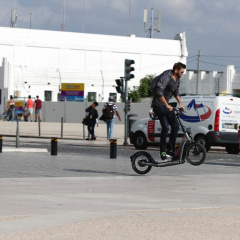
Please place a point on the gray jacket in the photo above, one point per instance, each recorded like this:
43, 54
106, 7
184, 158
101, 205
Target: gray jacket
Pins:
164, 86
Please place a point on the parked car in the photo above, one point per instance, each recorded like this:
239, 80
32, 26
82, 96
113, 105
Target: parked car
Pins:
213, 121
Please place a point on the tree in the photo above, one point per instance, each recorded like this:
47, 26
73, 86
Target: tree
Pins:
144, 87
135, 95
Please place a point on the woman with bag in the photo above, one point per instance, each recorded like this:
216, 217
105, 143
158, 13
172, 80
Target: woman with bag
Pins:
11, 109
92, 119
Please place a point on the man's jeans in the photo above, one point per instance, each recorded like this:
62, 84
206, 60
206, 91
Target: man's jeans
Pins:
167, 118
110, 124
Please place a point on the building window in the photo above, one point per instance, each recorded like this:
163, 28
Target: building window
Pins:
47, 95
92, 97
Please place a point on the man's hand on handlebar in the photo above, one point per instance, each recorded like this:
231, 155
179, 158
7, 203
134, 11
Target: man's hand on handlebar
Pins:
170, 108
183, 108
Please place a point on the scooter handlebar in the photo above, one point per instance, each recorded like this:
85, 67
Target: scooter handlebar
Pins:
178, 110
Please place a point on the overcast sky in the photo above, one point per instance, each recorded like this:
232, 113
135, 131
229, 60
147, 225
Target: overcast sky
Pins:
212, 26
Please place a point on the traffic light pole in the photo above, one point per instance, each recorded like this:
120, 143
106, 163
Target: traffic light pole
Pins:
127, 75
125, 113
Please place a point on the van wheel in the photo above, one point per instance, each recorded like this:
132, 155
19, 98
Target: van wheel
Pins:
140, 141
202, 140
234, 149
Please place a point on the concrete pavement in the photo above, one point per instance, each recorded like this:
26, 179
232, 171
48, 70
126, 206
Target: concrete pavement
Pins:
50, 129
95, 197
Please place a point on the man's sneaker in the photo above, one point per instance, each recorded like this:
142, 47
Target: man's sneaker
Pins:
163, 155
171, 152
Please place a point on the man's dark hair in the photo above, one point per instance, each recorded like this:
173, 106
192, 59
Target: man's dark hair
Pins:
96, 104
29, 96
178, 66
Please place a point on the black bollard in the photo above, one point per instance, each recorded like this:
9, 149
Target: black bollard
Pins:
113, 148
54, 146
1, 139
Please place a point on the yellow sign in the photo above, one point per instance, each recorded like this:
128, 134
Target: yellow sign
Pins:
72, 87
18, 104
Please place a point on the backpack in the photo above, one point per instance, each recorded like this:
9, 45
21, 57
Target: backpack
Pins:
109, 112
153, 84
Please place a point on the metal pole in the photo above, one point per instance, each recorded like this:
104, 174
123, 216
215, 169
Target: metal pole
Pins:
30, 20
65, 111
151, 30
17, 135
63, 20
39, 127
83, 15
129, 19
125, 112
61, 127
198, 67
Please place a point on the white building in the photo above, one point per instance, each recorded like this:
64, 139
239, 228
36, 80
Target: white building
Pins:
209, 83
36, 62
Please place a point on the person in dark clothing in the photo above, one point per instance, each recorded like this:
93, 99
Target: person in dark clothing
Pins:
164, 87
11, 109
92, 120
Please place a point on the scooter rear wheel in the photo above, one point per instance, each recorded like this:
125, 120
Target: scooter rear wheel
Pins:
195, 154
138, 163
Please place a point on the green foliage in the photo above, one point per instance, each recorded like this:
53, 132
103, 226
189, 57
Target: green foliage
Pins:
135, 95
144, 87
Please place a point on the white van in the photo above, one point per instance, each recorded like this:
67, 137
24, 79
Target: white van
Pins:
213, 121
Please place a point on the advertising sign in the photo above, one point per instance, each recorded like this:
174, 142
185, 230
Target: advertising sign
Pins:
72, 92
18, 107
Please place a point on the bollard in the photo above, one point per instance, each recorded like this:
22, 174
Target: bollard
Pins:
239, 136
1, 139
113, 148
54, 146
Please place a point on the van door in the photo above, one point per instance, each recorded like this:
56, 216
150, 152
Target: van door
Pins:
230, 115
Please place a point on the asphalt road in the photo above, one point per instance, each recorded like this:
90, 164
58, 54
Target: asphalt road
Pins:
83, 194
76, 160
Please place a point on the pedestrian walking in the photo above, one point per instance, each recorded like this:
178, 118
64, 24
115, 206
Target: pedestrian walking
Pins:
11, 109
25, 114
110, 111
38, 109
30, 105
92, 119
164, 87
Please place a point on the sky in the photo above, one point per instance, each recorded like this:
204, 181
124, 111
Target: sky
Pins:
211, 26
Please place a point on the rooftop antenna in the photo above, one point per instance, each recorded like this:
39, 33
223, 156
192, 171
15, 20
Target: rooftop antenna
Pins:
83, 15
129, 18
30, 26
13, 23
151, 29
63, 17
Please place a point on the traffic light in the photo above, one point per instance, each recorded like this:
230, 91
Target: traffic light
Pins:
128, 106
128, 69
119, 87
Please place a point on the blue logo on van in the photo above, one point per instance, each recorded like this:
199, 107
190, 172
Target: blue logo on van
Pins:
201, 112
227, 110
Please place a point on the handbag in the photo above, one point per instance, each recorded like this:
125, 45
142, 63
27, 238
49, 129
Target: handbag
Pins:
103, 117
85, 121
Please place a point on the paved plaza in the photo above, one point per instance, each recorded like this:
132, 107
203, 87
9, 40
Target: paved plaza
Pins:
84, 194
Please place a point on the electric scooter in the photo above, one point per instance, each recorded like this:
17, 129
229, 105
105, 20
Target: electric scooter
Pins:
194, 153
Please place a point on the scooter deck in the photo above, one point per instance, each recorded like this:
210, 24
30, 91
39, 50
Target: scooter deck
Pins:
168, 163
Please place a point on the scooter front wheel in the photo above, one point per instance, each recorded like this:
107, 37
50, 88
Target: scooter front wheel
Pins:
195, 153
139, 161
